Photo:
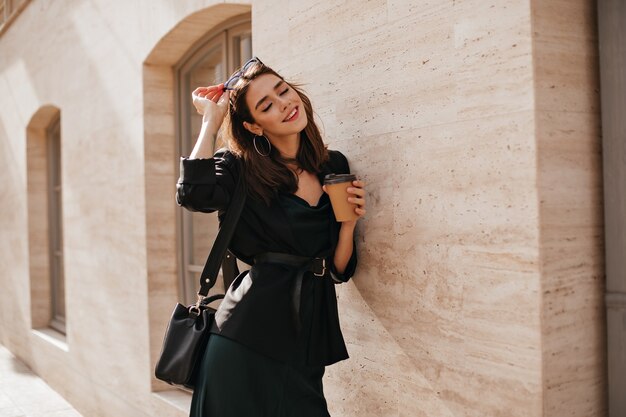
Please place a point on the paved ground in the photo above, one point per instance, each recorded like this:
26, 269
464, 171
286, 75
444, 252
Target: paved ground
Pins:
23, 394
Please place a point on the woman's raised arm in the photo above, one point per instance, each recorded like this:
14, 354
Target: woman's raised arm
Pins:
212, 103
207, 180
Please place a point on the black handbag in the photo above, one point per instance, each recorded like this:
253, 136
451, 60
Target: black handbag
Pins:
187, 333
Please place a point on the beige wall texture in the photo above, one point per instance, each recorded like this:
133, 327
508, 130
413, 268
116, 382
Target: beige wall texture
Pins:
474, 123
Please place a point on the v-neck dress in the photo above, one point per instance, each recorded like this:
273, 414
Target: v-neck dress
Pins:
309, 223
237, 381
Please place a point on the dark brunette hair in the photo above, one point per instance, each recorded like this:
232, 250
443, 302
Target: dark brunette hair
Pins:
266, 175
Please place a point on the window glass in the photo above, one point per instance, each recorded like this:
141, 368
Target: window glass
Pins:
57, 279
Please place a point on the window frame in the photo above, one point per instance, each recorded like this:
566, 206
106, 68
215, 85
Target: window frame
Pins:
55, 226
224, 35
9, 10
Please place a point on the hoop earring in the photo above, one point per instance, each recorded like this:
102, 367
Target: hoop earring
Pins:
269, 145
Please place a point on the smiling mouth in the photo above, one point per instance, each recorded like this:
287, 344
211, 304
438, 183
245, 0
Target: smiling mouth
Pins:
294, 113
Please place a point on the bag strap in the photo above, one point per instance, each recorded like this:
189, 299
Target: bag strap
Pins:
208, 278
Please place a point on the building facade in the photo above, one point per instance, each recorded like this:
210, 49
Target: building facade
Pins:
475, 125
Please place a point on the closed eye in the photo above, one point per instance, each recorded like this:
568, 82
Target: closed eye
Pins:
270, 105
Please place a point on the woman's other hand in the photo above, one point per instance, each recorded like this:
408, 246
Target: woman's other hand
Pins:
212, 103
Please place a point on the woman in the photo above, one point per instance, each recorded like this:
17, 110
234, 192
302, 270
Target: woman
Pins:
277, 327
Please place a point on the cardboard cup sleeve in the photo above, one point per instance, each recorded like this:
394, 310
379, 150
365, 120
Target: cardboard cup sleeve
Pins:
337, 186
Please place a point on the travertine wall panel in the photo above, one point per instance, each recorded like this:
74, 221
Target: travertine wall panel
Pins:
87, 59
474, 125
453, 281
160, 155
570, 194
434, 109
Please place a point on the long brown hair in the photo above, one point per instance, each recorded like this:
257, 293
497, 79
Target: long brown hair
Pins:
266, 175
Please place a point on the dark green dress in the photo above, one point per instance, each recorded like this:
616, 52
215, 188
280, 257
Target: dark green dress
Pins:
236, 381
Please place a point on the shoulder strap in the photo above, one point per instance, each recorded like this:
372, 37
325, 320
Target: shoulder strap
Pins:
208, 278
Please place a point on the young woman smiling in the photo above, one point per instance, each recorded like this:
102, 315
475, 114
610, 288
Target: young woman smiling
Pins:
278, 326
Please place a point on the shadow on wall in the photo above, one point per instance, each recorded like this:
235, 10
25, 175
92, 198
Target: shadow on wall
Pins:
10, 245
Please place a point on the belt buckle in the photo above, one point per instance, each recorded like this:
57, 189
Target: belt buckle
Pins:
323, 268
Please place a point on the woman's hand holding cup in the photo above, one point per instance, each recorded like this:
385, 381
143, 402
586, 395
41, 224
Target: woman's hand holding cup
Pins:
357, 197
347, 197
212, 103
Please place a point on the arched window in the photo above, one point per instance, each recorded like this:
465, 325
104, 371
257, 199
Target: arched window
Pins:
55, 231
45, 224
216, 57
9, 9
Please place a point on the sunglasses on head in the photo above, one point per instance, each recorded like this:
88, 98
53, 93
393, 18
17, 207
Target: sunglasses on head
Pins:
230, 83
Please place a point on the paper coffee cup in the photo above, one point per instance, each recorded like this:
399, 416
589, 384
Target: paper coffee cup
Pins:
337, 188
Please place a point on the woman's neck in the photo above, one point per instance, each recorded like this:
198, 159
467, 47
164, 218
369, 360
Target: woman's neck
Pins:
287, 145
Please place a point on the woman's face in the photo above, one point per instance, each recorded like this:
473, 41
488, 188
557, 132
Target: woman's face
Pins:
276, 107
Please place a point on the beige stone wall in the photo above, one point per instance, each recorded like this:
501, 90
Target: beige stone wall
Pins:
475, 125
433, 103
569, 157
89, 61
457, 127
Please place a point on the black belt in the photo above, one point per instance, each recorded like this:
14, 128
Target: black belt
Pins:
318, 265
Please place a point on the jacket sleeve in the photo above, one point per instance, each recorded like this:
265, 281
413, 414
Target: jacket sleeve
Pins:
349, 271
352, 262
206, 184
